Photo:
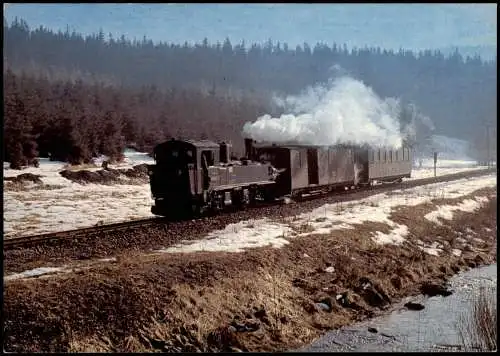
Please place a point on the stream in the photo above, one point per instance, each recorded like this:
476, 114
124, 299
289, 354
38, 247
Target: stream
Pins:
431, 329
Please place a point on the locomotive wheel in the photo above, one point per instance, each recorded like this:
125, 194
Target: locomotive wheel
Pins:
268, 195
237, 198
252, 195
196, 210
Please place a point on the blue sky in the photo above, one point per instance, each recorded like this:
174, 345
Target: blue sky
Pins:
411, 26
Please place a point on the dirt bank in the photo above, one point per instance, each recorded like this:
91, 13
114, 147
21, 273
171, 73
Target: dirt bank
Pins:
261, 300
135, 175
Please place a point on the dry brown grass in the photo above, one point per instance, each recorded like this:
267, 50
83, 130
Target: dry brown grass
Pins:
148, 302
478, 326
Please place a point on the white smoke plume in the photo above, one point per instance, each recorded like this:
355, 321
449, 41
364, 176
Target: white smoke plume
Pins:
345, 111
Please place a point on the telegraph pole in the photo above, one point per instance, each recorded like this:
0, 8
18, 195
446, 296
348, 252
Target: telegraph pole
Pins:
435, 161
488, 144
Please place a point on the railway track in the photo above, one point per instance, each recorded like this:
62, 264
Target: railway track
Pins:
34, 239
29, 241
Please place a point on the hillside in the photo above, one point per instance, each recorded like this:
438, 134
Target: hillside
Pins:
457, 94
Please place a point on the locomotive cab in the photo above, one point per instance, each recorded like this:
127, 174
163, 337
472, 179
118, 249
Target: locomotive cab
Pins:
180, 175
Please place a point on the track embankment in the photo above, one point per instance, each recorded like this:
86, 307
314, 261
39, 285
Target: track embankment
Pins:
263, 299
131, 237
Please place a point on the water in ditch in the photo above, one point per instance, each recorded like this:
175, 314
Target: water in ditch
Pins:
431, 329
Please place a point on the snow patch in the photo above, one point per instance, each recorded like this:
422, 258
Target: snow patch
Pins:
446, 211
433, 249
396, 236
330, 217
238, 236
33, 273
49, 271
443, 167
456, 252
470, 231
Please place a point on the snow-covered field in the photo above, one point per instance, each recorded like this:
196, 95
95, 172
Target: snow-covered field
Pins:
60, 204
442, 167
323, 220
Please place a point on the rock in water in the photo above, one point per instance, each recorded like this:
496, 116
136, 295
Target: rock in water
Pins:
432, 289
414, 306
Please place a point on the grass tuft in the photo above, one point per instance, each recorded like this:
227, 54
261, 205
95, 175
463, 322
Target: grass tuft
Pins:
477, 328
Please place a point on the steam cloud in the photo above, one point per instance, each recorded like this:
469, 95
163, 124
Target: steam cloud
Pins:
343, 112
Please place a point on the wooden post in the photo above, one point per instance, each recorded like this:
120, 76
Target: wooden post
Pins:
488, 145
435, 161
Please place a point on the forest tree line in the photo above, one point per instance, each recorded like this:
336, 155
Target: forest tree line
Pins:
225, 85
73, 121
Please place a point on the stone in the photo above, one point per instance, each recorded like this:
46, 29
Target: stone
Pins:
252, 325
372, 330
238, 326
414, 306
328, 301
432, 289
323, 306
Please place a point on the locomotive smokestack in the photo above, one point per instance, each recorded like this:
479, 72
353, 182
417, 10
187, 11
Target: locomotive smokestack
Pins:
248, 148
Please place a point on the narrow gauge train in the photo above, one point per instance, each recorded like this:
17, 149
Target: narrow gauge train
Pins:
190, 176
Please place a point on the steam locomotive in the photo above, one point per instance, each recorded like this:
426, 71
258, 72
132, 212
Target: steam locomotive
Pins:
190, 176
